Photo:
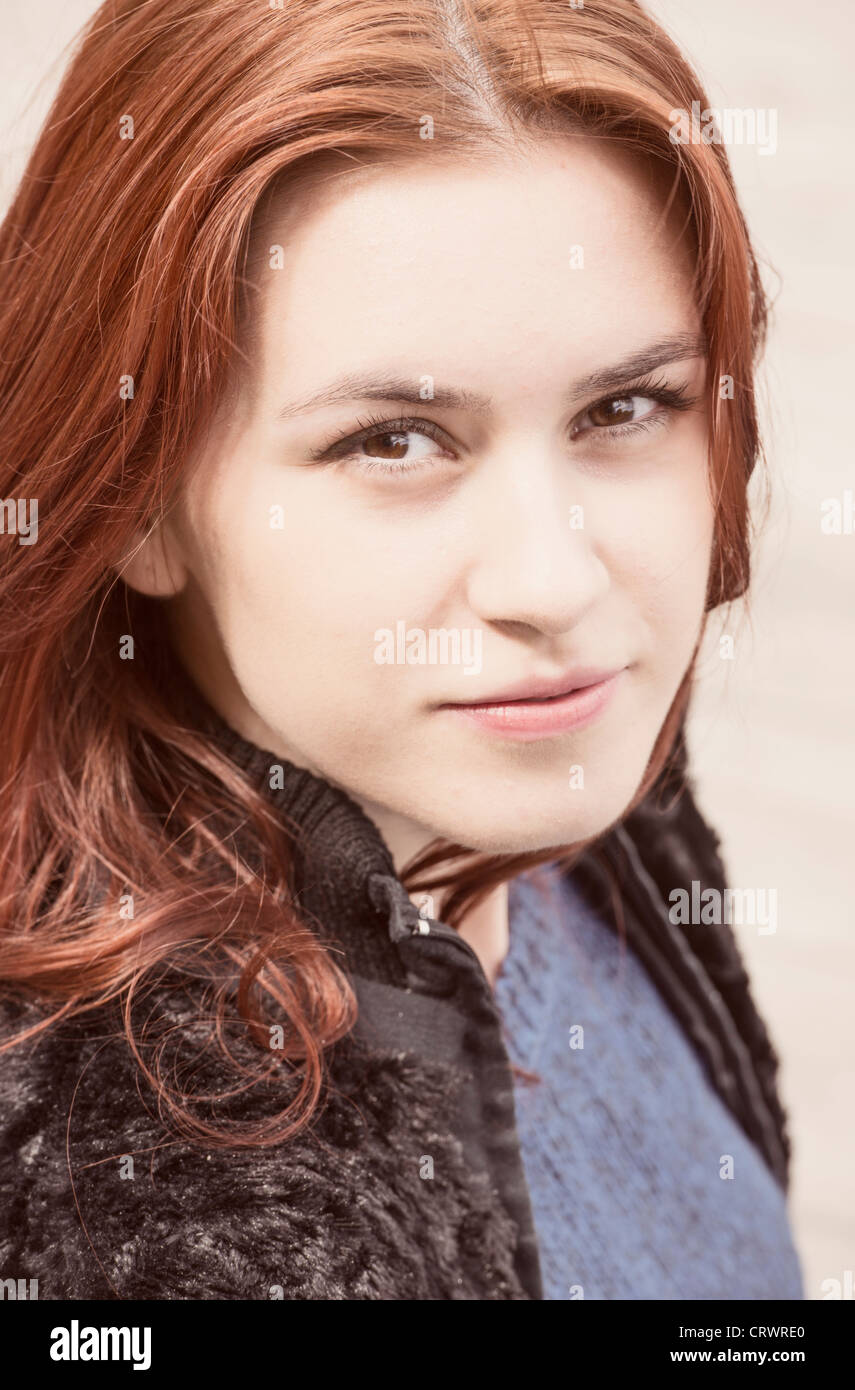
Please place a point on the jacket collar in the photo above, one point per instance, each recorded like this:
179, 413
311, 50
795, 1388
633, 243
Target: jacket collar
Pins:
344, 874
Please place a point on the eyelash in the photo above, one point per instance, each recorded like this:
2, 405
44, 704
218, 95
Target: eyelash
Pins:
342, 446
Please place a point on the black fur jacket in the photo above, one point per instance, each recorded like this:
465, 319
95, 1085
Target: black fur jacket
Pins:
350, 1208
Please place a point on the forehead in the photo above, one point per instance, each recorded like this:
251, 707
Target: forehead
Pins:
511, 267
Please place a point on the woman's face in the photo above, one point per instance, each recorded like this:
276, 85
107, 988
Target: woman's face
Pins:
542, 506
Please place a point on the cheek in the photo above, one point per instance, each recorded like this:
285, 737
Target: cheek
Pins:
655, 535
301, 590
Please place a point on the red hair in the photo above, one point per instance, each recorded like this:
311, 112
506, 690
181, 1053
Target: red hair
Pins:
122, 256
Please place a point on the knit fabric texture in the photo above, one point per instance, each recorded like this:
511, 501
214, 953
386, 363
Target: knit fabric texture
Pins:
643, 1185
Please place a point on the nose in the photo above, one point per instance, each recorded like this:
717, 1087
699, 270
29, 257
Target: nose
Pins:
536, 562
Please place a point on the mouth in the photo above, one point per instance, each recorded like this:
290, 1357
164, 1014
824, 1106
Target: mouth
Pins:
536, 710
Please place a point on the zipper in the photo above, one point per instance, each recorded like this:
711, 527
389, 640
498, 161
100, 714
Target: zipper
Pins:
430, 926
506, 1168
397, 902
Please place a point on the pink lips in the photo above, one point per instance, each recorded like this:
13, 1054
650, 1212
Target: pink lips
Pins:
531, 716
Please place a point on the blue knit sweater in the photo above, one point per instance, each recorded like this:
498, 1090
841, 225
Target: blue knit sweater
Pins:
624, 1141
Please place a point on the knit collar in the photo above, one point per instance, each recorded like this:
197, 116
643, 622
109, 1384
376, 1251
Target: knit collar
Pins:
344, 874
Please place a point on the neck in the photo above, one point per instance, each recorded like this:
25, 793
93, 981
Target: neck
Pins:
487, 930
485, 926
348, 839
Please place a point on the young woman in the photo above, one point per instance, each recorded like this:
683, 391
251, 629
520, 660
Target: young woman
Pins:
377, 392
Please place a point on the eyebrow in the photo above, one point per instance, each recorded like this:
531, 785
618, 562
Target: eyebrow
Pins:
388, 387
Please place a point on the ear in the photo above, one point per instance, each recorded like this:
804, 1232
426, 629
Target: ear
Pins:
154, 564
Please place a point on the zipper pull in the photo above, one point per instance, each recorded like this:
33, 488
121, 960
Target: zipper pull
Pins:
391, 898
422, 927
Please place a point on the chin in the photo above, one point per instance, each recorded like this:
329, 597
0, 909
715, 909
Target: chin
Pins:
520, 830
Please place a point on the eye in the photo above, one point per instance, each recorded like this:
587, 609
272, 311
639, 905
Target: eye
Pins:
617, 412
392, 446
389, 445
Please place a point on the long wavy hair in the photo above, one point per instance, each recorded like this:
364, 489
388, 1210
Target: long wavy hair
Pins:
122, 257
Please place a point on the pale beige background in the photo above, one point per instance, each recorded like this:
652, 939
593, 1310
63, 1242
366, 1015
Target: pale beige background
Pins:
772, 735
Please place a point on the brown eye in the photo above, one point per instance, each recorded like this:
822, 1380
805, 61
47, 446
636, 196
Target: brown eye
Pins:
389, 445
619, 411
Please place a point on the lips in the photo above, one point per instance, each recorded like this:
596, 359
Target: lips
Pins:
543, 688
537, 709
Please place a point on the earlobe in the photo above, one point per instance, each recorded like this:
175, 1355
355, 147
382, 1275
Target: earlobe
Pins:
154, 564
